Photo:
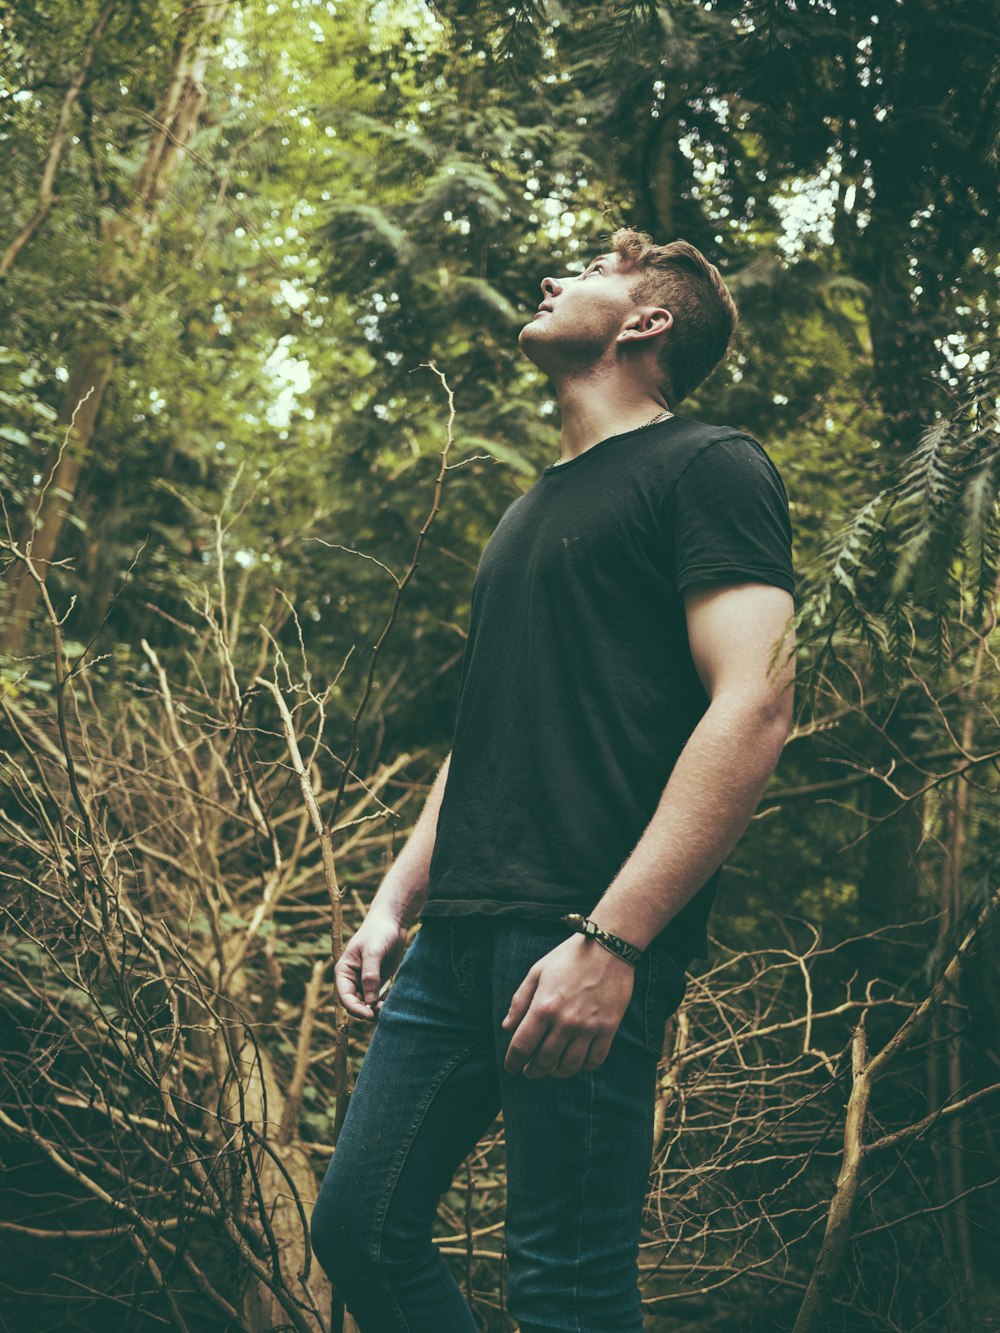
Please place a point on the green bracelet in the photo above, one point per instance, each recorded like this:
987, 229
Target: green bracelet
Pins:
614, 943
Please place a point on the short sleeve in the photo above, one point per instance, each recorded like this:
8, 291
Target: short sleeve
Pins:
728, 518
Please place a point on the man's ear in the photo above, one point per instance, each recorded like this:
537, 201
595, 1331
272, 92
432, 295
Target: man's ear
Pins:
646, 324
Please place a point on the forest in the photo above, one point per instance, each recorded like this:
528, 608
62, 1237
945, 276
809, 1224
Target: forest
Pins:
263, 264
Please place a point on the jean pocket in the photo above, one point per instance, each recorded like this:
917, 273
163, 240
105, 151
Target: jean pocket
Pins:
666, 983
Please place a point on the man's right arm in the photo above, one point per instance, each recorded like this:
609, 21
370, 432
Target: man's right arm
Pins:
376, 949
403, 891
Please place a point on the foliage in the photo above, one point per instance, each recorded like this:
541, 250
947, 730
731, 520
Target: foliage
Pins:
370, 190
921, 555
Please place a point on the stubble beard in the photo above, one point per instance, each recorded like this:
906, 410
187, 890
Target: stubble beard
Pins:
559, 357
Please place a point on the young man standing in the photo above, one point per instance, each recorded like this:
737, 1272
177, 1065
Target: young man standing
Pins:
619, 715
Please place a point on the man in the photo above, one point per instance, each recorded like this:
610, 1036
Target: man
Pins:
619, 715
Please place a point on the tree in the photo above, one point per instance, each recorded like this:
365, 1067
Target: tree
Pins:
126, 229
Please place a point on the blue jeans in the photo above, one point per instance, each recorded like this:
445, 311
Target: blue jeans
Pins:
578, 1149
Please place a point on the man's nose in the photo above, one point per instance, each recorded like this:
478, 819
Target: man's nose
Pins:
551, 286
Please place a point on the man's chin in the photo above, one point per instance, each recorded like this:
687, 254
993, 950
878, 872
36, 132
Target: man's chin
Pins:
531, 339
527, 340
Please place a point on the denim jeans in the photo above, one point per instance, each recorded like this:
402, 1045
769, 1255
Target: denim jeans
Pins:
578, 1149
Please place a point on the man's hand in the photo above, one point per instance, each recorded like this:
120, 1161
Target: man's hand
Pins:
567, 1010
368, 961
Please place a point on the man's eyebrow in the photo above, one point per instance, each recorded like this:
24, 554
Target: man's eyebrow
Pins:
601, 259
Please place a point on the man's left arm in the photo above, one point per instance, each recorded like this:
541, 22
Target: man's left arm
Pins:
714, 788
720, 775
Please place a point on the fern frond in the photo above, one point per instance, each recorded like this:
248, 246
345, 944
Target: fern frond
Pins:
922, 555
981, 534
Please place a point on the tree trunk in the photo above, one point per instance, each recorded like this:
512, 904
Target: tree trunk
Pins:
43, 523
264, 1107
46, 188
840, 1218
126, 238
957, 1222
889, 884
271, 1182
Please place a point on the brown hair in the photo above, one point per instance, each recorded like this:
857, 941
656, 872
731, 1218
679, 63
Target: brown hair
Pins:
679, 278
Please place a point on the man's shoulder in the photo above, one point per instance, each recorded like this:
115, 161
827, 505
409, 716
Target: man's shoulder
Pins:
675, 448
728, 446
692, 435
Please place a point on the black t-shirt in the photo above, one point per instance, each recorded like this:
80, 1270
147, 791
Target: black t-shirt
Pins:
578, 690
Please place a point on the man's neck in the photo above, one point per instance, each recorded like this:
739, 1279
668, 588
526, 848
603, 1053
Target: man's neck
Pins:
594, 410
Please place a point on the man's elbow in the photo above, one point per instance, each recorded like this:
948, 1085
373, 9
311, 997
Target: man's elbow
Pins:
777, 719
764, 720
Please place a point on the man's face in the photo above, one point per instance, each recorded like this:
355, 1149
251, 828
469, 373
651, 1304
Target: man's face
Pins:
580, 317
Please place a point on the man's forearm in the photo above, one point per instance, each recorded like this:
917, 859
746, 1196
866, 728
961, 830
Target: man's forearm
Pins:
404, 888
711, 795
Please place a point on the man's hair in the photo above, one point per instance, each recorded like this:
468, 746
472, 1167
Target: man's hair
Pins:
679, 278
